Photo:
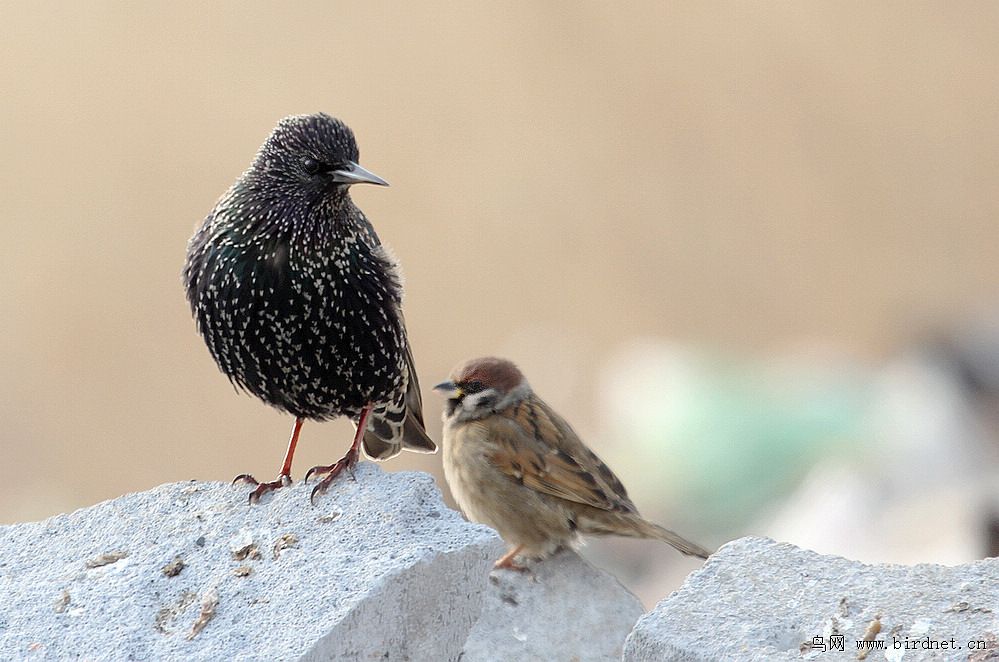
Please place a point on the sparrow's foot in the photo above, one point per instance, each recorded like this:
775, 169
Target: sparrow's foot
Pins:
284, 480
506, 562
348, 462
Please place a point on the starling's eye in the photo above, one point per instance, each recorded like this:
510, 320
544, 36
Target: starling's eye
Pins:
310, 165
473, 387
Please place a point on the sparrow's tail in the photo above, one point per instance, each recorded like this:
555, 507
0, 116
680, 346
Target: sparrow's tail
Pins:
647, 529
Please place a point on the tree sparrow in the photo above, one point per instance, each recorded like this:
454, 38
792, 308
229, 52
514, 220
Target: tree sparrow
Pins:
514, 464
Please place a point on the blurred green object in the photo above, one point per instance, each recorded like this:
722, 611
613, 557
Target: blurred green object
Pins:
718, 440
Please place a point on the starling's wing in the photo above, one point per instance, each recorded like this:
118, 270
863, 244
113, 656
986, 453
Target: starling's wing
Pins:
414, 431
537, 448
400, 425
379, 449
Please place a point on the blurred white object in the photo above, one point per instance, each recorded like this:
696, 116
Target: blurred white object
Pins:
915, 492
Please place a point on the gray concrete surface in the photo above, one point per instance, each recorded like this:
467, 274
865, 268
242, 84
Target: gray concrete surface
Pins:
379, 569
560, 609
756, 599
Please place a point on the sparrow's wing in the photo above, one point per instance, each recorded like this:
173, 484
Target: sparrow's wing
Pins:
537, 448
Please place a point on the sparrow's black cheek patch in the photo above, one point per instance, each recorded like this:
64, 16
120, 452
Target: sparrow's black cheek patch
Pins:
486, 402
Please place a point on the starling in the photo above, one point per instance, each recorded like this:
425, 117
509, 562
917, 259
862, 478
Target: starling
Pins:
300, 303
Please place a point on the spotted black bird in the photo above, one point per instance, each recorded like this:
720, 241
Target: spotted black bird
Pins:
300, 303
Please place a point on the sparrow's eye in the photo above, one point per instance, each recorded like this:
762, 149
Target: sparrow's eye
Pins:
473, 387
310, 165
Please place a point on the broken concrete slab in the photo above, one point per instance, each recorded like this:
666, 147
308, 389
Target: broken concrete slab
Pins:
379, 568
560, 609
756, 599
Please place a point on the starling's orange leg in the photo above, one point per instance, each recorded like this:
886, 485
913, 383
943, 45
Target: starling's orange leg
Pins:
346, 462
284, 478
506, 561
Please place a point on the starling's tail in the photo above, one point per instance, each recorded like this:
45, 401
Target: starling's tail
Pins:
647, 529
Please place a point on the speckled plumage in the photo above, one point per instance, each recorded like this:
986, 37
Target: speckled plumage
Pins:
295, 296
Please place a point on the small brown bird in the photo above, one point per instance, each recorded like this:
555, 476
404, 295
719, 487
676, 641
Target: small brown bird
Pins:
516, 465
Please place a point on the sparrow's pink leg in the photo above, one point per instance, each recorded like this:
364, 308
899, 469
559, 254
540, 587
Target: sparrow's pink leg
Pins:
506, 561
346, 462
283, 479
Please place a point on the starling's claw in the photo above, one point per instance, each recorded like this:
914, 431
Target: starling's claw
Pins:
348, 462
318, 469
331, 471
283, 480
245, 478
317, 490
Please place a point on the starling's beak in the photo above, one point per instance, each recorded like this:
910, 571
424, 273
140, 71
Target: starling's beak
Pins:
449, 390
355, 174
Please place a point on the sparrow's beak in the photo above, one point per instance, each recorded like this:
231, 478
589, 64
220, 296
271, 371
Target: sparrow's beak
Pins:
449, 390
355, 174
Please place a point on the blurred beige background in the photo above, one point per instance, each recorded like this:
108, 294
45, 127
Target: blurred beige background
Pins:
568, 179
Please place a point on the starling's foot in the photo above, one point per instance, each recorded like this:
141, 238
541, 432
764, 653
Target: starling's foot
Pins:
348, 461
284, 480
